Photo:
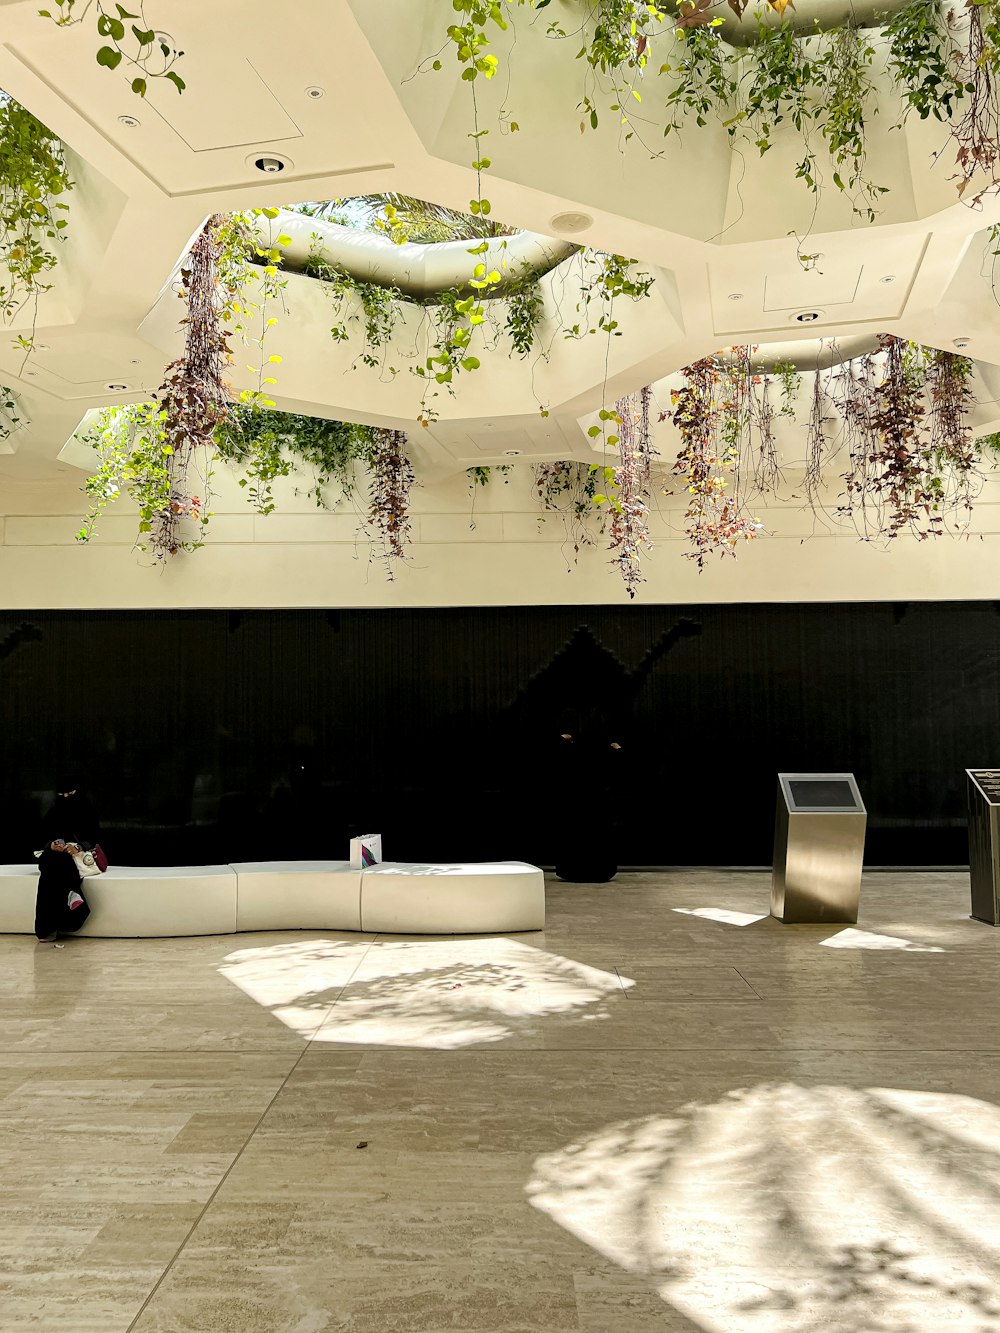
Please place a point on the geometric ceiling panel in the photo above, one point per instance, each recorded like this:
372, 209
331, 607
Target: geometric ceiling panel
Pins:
828, 282
245, 111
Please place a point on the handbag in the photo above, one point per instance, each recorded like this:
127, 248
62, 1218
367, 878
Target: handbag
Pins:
87, 864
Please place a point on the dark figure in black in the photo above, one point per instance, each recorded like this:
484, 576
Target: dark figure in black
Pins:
70, 825
589, 754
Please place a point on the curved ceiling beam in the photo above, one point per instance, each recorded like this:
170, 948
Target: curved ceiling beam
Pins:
815, 17
808, 356
420, 272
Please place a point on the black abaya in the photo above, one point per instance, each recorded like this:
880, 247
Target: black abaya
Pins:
586, 837
73, 819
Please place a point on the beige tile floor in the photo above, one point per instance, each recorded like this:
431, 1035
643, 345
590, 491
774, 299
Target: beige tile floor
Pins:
664, 1112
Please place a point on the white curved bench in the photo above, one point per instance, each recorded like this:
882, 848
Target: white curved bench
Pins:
398, 898
297, 895
391, 898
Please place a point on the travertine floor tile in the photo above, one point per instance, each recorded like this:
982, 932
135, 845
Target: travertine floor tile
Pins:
662, 1112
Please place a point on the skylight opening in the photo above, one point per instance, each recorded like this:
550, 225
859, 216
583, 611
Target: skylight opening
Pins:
404, 219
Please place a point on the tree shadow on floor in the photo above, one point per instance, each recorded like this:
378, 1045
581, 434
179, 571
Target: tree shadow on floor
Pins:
443, 994
796, 1210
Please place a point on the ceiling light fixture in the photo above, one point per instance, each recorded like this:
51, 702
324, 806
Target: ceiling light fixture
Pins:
118, 388
735, 296
808, 316
961, 341
571, 222
130, 122
270, 164
512, 453
889, 277
315, 92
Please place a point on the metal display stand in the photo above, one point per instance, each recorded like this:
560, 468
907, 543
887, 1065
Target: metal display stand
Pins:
819, 848
984, 843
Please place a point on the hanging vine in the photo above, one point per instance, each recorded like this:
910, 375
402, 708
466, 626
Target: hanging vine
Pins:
912, 459
821, 87
708, 465
153, 451
456, 321
813, 480
975, 130
10, 418
629, 501
126, 36
193, 397
569, 488
33, 179
391, 479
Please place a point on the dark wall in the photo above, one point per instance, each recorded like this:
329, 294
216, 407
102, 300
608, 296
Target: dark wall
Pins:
217, 736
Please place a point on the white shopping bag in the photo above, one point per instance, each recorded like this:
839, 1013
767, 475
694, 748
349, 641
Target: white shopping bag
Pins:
366, 850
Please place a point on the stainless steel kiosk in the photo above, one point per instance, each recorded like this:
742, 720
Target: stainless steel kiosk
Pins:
984, 843
819, 848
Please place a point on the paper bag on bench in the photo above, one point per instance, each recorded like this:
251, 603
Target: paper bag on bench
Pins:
366, 850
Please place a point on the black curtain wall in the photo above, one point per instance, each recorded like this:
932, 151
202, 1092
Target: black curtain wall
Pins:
220, 736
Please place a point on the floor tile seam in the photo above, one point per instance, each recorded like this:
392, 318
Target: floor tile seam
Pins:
748, 983
211, 1198
319, 1026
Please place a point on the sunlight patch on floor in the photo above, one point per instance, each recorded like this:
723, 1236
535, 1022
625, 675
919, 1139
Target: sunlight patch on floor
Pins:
851, 938
723, 915
443, 994
786, 1209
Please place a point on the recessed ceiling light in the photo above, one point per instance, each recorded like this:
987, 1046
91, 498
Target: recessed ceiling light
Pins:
270, 164
571, 222
962, 340
31, 372
512, 453
315, 92
135, 361
807, 316
117, 388
41, 347
889, 277
736, 296
130, 122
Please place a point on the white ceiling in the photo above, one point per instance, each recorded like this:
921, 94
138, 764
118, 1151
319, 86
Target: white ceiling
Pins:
715, 228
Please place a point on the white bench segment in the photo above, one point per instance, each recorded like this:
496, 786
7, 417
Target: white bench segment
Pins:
139, 902
297, 895
18, 887
399, 898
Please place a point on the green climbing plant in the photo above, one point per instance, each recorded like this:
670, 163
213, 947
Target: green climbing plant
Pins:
133, 460
33, 182
823, 88
127, 37
267, 444
10, 418
522, 314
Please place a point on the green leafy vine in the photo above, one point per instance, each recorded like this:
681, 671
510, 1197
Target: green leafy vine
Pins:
33, 179
126, 36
